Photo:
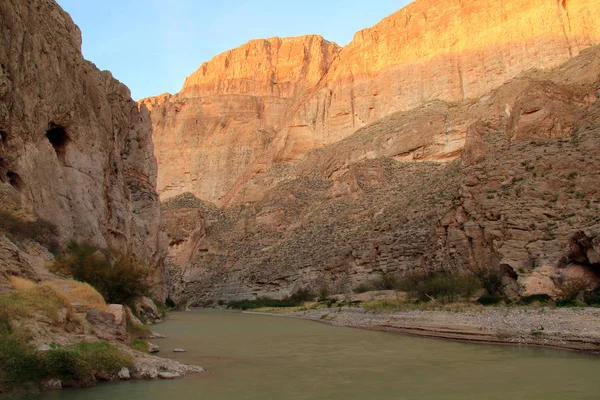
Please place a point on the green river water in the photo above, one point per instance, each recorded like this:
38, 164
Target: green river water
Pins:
268, 357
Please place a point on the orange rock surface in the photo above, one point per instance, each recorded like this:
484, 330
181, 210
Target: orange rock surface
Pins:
272, 101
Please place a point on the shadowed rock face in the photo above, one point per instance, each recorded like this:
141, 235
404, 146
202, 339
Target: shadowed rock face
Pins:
271, 101
521, 198
74, 149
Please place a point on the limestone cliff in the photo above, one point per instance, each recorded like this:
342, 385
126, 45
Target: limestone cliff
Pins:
271, 101
75, 150
521, 198
229, 112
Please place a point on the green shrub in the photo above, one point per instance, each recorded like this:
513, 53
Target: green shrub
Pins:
386, 281
563, 302
19, 362
592, 298
443, 287
489, 300
542, 298
323, 293
99, 358
448, 288
491, 280
302, 294
63, 364
139, 345
264, 302
119, 278
361, 288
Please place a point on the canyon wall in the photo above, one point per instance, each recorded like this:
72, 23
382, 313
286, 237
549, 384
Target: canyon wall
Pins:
75, 150
269, 102
521, 199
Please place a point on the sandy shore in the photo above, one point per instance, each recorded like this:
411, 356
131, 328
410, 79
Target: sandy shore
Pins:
564, 328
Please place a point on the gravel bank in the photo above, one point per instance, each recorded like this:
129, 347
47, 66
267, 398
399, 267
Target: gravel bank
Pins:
565, 328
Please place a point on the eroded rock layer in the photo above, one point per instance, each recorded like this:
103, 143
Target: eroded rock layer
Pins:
271, 101
74, 150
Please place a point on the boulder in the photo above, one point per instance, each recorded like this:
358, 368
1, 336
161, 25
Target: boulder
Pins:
153, 348
147, 310
104, 326
124, 374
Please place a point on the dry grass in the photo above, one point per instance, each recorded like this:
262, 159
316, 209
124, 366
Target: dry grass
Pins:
70, 290
39, 299
19, 283
79, 292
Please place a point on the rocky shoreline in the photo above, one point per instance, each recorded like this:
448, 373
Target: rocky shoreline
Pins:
576, 329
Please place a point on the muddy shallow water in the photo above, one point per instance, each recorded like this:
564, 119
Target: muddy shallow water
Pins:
269, 357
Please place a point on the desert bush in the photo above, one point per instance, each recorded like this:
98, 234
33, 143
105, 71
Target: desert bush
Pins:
119, 278
39, 230
443, 287
19, 362
302, 294
265, 302
592, 298
98, 358
448, 287
491, 280
323, 293
361, 288
386, 281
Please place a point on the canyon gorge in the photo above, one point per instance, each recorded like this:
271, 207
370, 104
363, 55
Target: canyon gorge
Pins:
449, 136
458, 137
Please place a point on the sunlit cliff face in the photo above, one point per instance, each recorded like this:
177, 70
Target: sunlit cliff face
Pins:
273, 100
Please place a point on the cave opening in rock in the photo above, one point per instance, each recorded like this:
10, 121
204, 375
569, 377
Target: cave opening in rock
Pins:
15, 180
59, 139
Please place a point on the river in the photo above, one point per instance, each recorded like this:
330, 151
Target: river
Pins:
268, 357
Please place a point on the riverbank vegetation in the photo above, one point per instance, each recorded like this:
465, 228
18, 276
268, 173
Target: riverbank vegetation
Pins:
118, 277
436, 291
20, 362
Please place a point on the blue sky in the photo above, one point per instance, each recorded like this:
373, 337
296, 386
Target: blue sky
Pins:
152, 45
